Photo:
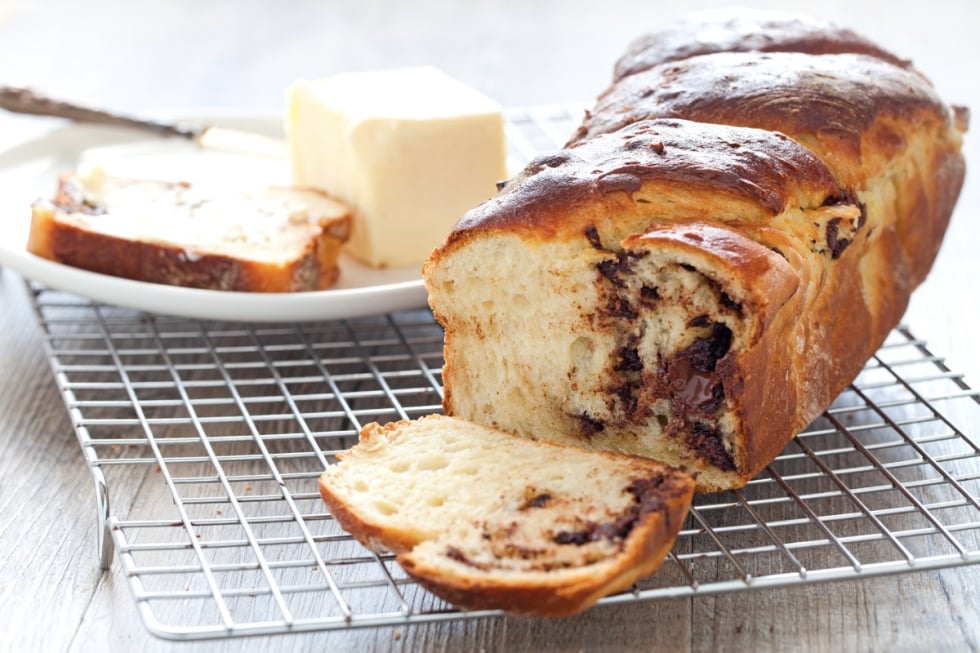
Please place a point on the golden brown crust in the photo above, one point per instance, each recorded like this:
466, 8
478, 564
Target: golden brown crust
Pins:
760, 169
833, 104
61, 241
741, 30
371, 536
644, 552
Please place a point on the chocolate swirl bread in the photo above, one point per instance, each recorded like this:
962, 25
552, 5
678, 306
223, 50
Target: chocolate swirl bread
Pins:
714, 255
267, 239
487, 520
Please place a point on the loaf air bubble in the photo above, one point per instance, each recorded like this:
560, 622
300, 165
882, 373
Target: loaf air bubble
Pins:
432, 463
384, 507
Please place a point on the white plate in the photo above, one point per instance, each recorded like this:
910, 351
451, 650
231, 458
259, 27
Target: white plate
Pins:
29, 170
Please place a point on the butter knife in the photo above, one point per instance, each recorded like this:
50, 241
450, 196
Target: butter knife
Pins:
27, 101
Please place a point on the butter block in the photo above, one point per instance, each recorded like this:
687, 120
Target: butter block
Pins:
410, 151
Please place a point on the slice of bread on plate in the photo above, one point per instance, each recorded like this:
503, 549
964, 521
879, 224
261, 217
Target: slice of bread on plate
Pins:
272, 239
487, 520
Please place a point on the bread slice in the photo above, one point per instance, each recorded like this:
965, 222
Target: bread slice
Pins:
487, 520
272, 239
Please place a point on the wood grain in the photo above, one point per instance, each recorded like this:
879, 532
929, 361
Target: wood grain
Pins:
47, 535
242, 54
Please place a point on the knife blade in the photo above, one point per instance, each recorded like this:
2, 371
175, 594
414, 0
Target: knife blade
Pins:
17, 99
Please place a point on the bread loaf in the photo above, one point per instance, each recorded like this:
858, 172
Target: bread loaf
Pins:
713, 257
268, 240
487, 520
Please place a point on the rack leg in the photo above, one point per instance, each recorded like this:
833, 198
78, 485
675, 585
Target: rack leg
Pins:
103, 537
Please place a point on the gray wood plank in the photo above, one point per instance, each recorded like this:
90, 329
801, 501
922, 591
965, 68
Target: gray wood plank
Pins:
52, 596
47, 534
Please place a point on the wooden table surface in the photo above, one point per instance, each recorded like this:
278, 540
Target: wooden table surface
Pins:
241, 55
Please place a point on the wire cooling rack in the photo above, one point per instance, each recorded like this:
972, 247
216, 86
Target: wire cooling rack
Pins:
210, 437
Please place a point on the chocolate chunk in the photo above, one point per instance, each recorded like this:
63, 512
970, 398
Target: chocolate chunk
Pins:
649, 295
593, 236
589, 425
835, 200
837, 245
699, 321
614, 269
717, 397
629, 360
730, 303
536, 501
616, 529
621, 527
688, 376
627, 394
692, 389
454, 553
578, 538
707, 441
620, 308
703, 353
526, 553
648, 494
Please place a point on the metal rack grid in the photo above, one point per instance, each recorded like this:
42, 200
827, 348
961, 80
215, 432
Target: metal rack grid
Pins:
211, 437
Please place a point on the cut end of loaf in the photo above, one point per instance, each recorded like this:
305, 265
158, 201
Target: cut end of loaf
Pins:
634, 346
487, 520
